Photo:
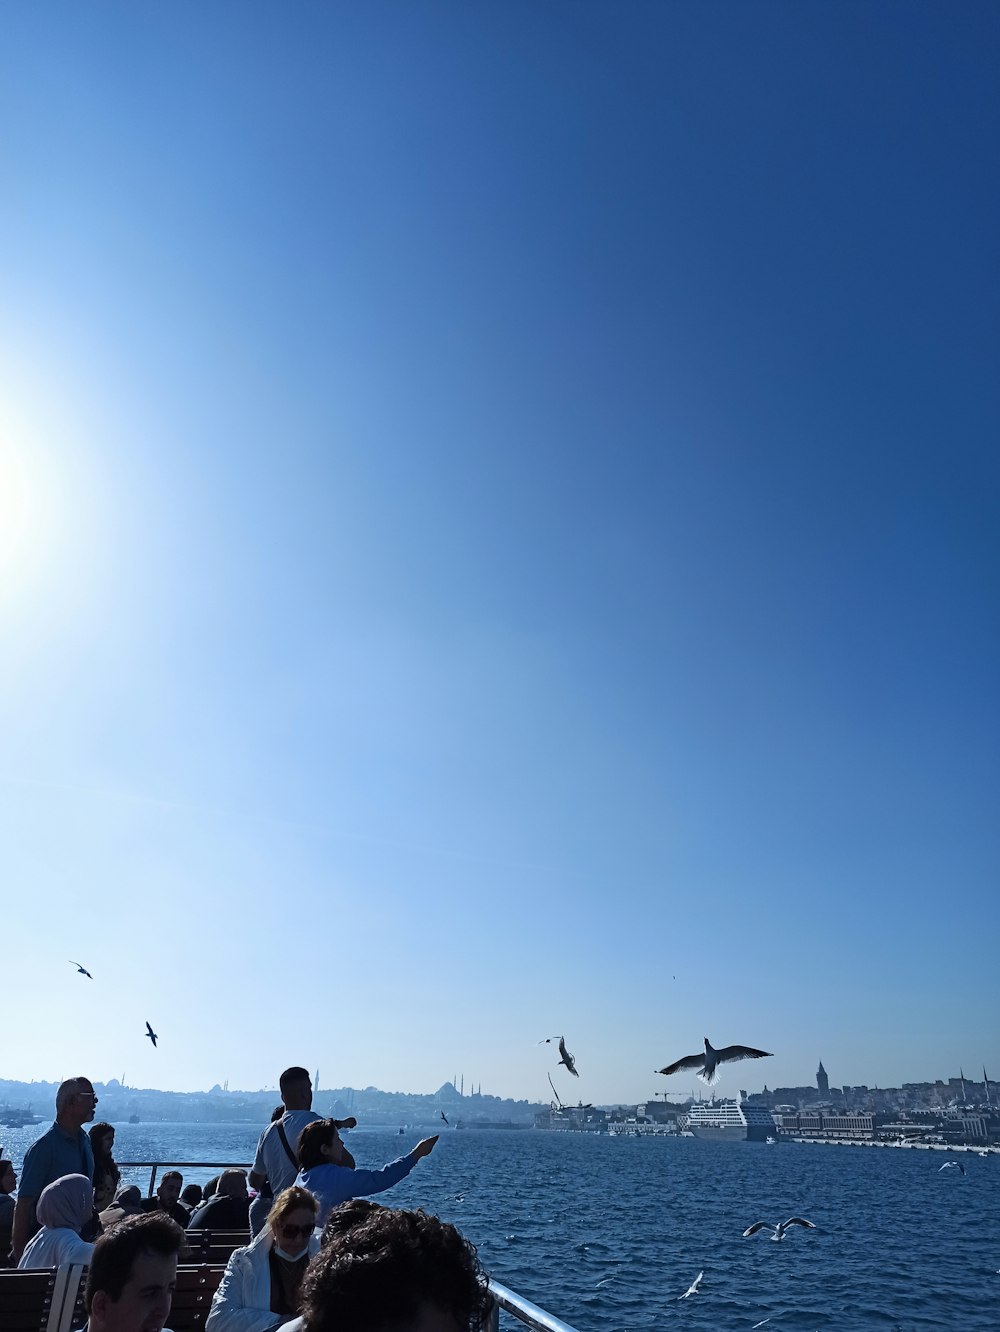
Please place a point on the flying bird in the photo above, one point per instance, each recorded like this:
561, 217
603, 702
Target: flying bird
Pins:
564, 1055
443, 1116
708, 1063
82, 969
948, 1165
693, 1288
553, 1086
780, 1228
151, 1033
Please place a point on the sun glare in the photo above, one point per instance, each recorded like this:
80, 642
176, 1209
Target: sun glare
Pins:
28, 501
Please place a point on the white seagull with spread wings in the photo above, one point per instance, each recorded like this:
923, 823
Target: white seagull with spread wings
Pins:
707, 1063
780, 1228
564, 1055
693, 1288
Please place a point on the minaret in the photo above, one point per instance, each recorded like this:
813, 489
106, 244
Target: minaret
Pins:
986, 1084
316, 1082
822, 1081
962, 1079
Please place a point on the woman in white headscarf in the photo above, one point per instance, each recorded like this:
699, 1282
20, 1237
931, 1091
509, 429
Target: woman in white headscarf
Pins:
63, 1208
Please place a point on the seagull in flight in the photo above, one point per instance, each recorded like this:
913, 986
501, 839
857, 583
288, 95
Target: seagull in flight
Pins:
780, 1228
949, 1165
564, 1055
82, 969
693, 1288
151, 1034
553, 1086
707, 1063
443, 1116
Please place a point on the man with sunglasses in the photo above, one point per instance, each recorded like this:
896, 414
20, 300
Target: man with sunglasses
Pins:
63, 1150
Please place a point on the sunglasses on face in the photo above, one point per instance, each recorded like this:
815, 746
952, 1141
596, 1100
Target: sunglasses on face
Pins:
297, 1232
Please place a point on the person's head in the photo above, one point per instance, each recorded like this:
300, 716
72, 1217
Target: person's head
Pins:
133, 1271
396, 1271
292, 1219
129, 1199
102, 1139
233, 1184
67, 1201
296, 1089
209, 1189
191, 1195
8, 1177
276, 1113
76, 1102
170, 1188
320, 1144
347, 1215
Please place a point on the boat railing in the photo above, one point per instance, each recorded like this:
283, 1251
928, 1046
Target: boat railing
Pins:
531, 1315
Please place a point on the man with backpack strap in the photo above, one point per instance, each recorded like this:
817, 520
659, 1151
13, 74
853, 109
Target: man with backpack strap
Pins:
276, 1163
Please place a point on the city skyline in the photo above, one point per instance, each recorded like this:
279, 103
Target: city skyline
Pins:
498, 540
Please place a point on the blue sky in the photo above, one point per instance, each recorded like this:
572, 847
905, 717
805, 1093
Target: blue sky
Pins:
498, 538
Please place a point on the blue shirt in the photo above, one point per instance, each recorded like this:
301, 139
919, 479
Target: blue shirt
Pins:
334, 1184
56, 1153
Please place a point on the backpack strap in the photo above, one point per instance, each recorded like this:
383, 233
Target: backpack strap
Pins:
284, 1142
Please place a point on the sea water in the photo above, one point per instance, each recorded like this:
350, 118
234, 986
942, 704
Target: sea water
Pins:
608, 1232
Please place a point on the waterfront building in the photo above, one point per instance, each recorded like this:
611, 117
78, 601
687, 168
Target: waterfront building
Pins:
823, 1082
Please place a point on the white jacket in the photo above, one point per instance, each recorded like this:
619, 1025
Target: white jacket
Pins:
242, 1302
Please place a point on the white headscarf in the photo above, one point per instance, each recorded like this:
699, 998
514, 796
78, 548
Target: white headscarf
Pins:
68, 1201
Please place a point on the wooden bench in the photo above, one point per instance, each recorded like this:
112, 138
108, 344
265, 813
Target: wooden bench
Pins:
38, 1299
213, 1246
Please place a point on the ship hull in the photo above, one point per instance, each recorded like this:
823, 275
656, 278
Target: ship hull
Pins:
729, 1132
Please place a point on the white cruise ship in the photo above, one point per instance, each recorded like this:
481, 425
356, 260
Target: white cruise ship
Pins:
731, 1121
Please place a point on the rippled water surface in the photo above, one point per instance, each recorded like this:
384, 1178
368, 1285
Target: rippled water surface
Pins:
606, 1233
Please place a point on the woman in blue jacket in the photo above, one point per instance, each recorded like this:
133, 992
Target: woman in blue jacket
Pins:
328, 1171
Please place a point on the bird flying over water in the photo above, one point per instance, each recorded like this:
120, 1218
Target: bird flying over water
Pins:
708, 1063
780, 1228
693, 1288
82, 969
949, 1165
553, 1086
443, 1116
151, 1033
564, 1055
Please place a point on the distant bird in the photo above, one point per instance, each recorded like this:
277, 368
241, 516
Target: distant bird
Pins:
565, 1056
951, 1165
151, 1033
82, 969
553, 1086
707, 1063
693, 1288
443, 1116
780, 1228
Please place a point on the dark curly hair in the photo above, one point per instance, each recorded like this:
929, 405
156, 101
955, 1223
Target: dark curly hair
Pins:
378, 1275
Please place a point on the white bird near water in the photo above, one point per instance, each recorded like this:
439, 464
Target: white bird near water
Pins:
693, 1288
951, 1165
780, 1228
707, 1063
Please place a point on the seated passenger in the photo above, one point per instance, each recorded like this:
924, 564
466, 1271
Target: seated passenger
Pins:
228, 1208
167, 1196
8, 1183
260, 1288
132, 1275
127, 1202
64, 1207
396, 1271
191, 1197
328, 1170
107, 1176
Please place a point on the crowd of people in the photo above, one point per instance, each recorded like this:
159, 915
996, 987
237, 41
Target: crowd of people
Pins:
320, 1254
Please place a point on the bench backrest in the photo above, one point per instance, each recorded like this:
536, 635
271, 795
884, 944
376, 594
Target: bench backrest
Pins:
213, 1246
